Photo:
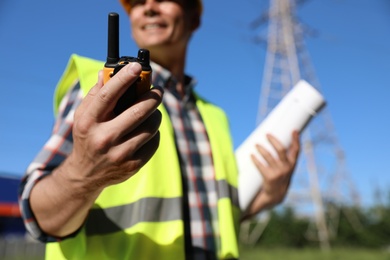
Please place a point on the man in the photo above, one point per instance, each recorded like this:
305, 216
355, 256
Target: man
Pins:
100, 188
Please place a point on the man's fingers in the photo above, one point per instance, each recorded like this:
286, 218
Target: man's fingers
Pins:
261, 167
279, 148
142, 133
134, 125
135, 115
146, 152
106, 98
270, 160
294, 148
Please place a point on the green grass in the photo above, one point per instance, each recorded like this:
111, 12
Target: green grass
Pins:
261, 253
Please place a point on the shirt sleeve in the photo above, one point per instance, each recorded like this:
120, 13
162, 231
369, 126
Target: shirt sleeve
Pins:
53, 153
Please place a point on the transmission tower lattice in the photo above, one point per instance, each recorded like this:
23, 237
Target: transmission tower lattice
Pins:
321, 176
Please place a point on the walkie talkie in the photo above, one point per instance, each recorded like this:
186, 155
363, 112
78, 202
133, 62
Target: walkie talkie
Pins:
115, 63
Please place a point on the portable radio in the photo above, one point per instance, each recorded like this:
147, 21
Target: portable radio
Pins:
115, 63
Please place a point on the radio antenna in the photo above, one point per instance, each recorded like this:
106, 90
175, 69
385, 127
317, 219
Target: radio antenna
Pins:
113, 40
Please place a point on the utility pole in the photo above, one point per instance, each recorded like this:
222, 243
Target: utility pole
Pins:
321, 168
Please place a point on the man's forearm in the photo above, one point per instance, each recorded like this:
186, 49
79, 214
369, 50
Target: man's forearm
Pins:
60, 205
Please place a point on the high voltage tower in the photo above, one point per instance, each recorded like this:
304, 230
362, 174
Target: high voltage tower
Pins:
321, 178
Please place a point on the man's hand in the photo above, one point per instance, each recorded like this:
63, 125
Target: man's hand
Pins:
276, 173
107, 149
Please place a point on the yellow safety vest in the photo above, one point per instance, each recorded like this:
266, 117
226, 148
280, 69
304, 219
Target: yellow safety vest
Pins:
141, 218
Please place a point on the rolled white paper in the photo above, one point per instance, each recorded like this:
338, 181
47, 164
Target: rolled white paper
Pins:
293, 112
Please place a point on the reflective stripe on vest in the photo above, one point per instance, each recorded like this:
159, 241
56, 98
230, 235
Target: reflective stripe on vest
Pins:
125, 216
120, 225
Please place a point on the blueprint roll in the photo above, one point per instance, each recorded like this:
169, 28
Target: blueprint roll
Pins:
293, 112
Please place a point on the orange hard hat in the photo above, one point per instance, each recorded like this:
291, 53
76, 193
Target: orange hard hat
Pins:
126, 5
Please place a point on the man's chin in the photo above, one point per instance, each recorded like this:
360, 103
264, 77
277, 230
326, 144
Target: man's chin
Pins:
152, 45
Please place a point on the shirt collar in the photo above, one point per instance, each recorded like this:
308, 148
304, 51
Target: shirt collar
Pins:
164, 78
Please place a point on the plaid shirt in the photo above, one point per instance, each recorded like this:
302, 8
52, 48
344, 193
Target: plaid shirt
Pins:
200, 199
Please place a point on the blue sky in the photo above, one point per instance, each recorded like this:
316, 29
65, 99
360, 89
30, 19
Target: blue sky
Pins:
350, 56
